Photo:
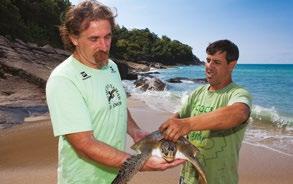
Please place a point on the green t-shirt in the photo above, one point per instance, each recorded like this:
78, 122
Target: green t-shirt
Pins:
81, 99
219, 150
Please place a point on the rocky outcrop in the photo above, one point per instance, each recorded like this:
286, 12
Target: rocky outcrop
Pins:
19, 99
125, 72
24, 70
29, 61
150, 83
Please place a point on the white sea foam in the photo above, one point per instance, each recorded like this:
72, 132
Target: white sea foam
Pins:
271, 115
268, 129
187, 81
165, 101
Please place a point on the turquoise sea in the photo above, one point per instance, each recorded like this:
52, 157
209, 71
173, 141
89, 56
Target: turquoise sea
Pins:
271, 85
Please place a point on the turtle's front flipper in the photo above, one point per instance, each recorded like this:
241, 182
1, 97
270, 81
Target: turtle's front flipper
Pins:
130, 167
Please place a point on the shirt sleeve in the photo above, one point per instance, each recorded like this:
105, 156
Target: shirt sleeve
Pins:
241, 95
186, 109
68, 110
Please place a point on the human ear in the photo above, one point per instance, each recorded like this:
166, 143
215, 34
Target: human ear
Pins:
232, 65
73, 39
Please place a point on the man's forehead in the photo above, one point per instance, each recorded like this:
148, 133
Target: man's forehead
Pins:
218, 54
97, 28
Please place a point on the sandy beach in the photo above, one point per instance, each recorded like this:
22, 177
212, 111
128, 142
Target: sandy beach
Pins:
28, 155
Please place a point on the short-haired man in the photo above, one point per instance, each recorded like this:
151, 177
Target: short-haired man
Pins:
214, 118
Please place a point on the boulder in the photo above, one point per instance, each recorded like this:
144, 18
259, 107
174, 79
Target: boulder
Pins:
124, 71
150, 83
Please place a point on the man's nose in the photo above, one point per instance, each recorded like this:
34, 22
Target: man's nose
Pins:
103, 45
209, 64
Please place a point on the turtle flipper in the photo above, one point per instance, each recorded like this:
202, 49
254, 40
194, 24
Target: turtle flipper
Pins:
130, 167
190, 152
150, 139
198, 167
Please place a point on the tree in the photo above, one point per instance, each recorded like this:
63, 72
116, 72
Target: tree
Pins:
32, 20
142, 44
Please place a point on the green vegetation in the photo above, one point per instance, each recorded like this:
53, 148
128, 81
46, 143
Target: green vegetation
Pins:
142, 45
37, 21
32, 20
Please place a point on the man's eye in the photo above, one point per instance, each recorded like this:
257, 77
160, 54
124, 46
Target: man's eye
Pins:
108, 37
93, 39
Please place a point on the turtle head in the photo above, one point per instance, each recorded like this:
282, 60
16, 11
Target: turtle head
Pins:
168, 150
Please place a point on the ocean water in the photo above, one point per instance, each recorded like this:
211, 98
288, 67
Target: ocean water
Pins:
271, 85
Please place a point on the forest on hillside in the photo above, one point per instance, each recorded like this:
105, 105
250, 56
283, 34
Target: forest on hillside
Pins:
143, 45
37, 21
32, 20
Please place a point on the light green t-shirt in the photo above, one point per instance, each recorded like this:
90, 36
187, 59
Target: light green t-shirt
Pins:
219, 150
80, 99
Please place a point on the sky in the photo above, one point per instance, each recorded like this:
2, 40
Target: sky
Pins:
262, 29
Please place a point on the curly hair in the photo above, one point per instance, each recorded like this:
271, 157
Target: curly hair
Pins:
78, 18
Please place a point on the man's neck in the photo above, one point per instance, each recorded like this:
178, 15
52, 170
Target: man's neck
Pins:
84, 61
220, 86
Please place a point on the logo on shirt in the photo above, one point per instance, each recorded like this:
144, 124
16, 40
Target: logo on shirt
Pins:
112, 69
84, 75
202, 108
113, 96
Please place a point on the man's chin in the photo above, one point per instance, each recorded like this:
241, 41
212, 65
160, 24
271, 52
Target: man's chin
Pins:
210, 81
102, 63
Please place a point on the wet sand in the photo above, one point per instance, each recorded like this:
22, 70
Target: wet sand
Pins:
28, 155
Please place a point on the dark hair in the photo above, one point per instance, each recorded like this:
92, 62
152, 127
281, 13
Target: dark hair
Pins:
78, 18
232, 52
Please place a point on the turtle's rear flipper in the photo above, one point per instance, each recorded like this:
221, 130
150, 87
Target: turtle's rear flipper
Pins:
199, 168
202, 180
190, 152
130, 167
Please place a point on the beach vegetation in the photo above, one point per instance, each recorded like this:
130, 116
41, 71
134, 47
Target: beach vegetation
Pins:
144, 45
32, 20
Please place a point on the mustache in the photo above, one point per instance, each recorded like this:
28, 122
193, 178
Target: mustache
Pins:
101, 54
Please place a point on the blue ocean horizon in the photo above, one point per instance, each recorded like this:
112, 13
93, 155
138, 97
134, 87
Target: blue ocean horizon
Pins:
271, 85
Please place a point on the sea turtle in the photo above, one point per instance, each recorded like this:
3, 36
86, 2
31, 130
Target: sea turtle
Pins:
155, 144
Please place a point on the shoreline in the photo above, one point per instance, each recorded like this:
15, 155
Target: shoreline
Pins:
29, 154
268, 148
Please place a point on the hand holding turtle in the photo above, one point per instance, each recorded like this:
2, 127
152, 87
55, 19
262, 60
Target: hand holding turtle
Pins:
157, 153
174, 128
155, 163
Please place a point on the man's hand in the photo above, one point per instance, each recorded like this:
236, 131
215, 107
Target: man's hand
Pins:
174, 128
155, 163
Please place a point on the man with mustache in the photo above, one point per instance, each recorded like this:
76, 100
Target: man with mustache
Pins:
87, 102
214, 118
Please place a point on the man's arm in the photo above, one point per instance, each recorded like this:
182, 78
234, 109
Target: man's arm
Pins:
88, 147
220, 119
